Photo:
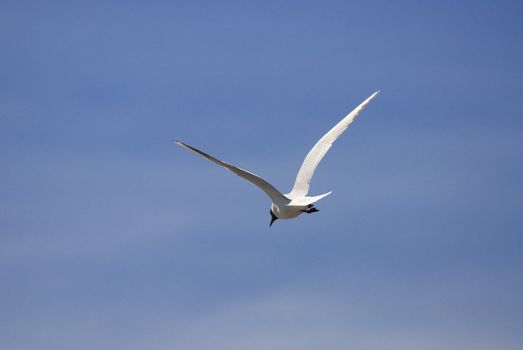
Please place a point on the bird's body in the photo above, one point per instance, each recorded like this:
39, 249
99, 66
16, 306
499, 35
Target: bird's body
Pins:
296, 202
288, 211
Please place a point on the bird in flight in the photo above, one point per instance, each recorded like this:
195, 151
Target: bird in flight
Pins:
296, 202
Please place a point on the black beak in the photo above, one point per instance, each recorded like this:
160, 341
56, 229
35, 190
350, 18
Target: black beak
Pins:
273, 218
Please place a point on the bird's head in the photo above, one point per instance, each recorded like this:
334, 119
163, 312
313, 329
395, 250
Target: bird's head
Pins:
273, 217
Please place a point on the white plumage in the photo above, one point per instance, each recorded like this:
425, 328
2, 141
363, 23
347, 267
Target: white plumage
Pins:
297, 201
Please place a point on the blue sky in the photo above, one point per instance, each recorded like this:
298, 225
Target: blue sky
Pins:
112, 237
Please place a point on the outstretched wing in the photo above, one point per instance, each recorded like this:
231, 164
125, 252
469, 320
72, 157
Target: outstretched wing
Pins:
266, 187
315, 155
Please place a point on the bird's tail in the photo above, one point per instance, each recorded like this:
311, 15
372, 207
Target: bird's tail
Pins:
307, 200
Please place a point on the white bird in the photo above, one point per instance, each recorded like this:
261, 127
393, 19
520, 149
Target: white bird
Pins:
296, 202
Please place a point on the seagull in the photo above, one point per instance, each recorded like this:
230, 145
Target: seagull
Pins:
296, 202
